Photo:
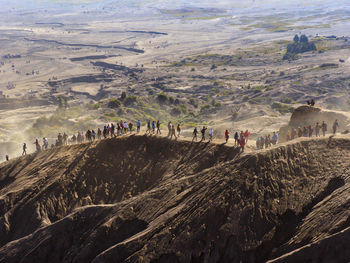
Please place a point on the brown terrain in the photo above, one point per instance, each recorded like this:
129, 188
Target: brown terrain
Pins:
235, 65
220, 65
149, 199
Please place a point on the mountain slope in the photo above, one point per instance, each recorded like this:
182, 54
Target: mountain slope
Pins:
148, 199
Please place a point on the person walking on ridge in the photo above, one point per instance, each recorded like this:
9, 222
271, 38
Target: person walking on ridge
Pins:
37, 145
130, 127
305, 132
170, 127
148, 127
211, 132
178, 128
138, 126
275, 138
289, 136
99, 133
119, 129
203, 133
112, 130
45, 143
227, 136
173, 132
108, 130
153, 127
242, 141
88, 135
324, 128
121, 124
158, 127
310, 130
125, 127
105, 132
317, 130
335, 126
236, 139
257, 143
246, 136
60, 139
24, 149
195, 132
65, 139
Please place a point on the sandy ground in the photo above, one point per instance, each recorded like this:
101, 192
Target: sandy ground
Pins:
56, 54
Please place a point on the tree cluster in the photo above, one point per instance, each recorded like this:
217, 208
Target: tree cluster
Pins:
300, 45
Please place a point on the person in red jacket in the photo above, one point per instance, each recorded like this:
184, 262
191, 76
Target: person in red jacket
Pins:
227, 135
246, 135
242, 141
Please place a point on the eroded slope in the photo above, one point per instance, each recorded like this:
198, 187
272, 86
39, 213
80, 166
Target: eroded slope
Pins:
145, 199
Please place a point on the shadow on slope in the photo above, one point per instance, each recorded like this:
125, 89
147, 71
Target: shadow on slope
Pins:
45, 187
146, 199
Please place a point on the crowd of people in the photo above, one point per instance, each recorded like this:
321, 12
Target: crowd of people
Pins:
266, 141
174, 131
124, 127
241, 139
309, 131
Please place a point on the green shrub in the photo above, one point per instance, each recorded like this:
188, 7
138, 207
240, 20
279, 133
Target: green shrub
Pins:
206, 108
258, 89
282, 108
300, 45
175, 111
215, 103
162, 98
193, 102
130, 100
183, 108
123, 95
93, 106
290, 56
114, 103
287, 100
328, 65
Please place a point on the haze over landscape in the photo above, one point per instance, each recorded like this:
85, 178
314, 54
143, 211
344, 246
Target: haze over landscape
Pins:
69, 66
